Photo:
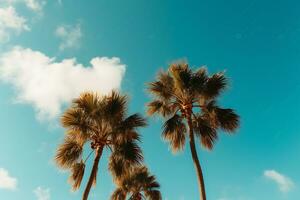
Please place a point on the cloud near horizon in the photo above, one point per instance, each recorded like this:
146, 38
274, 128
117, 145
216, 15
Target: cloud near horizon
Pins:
6, 181
284, 183
47, 84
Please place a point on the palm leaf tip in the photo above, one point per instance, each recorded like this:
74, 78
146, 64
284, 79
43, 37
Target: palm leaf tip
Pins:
160, 90
207, 134
228, 119
68, 153
130, 152
116, 105
77, 173
215, 85
160, 107
118, 194
87, 101
134, 121
174, 130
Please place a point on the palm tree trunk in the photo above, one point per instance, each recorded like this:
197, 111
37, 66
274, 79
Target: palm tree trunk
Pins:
93, 175
197, 165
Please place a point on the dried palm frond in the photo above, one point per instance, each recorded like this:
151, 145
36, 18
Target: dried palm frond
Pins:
77, 172
174, 130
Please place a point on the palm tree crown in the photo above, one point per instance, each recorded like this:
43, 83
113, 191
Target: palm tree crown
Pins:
137, 184
188, 101
181, 93
102, 122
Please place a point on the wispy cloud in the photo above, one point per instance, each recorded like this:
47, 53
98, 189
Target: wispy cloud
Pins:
70, 36
47, 84
34, 5
285, 184
11, 22
42, 193
6, 181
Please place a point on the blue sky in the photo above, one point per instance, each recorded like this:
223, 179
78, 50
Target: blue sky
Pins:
127, 42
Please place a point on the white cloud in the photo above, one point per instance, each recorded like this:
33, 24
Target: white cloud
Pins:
70, 36
6, 181
42, 193
10, 21
34, 5
47, 84
284, 183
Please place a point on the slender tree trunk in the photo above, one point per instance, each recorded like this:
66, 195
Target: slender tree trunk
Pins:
197, 165
98, 154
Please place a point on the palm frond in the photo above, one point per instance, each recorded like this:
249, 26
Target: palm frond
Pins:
118, 194
174, 130
115, 106
129, 152
153, 195
215, 85
133, 121
80, 137
226, 119
117, 166
198, 81
75, 119
182, 75
137, 181
207, 134
122, 136
160, 107
68, 153
77, 172
87, 101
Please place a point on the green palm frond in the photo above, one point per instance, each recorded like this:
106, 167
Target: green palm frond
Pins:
215, 84
77, 172
174, 130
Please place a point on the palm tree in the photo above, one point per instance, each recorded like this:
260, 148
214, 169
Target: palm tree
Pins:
137, 184
100, 121
187, 100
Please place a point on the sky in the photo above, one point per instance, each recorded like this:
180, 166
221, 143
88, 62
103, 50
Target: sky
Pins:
50, 51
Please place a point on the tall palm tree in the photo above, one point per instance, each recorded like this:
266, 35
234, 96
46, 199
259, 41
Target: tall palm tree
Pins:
137, 184
187, 100
100, 121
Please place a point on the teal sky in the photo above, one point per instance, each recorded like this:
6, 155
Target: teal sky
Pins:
256, 42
